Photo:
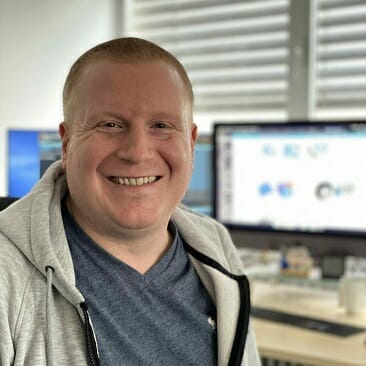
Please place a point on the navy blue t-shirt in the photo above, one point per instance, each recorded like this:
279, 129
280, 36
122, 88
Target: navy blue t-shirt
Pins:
163, 317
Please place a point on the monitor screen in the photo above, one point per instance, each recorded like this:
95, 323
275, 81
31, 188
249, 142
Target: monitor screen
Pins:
199, 193
291, 177
30, 152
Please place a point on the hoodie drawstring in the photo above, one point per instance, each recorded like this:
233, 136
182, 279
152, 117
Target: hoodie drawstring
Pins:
49, 308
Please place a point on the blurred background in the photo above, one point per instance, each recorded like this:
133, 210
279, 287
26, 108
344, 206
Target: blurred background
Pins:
259, 63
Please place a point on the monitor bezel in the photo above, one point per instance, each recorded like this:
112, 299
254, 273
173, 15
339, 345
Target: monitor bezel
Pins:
257, 229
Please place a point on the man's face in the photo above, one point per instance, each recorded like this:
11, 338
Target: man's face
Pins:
128, 152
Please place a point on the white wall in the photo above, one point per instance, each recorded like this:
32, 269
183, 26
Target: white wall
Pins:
39, 40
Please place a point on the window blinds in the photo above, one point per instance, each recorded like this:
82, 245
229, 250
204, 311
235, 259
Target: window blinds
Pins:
235, 52
340, 75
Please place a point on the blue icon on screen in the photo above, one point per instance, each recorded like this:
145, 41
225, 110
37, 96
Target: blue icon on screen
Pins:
268, 150
317, 150
265, 189
291, 151
285, 189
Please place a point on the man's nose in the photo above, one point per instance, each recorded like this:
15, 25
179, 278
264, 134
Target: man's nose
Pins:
136, 146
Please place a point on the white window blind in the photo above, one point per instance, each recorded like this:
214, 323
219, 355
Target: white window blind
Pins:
235, 52
340, 54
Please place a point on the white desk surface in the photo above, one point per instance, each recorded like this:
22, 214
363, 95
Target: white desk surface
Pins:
300, 345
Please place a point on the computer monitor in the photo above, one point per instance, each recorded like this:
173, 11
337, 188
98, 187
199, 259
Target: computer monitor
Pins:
292, 182
30, 152
199, 194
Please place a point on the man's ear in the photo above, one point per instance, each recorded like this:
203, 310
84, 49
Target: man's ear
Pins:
194, 133
64, 132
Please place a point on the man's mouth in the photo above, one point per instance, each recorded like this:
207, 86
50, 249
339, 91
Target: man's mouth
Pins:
135, 181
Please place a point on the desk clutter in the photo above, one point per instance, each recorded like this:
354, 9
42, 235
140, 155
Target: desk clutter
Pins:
295, 267
352, 294
296, 261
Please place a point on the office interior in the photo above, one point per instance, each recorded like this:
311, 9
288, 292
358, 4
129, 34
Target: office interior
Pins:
251, 62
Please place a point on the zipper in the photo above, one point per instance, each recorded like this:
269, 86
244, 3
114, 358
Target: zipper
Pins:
237, 350
91, 344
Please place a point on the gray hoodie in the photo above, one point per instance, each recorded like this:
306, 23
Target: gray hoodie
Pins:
43, 316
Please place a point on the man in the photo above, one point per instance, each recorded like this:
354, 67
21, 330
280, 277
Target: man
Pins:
99, 263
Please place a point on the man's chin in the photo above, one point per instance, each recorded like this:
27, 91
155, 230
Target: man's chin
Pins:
139, 222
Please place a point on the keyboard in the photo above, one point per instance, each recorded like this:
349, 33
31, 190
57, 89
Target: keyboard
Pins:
313, 324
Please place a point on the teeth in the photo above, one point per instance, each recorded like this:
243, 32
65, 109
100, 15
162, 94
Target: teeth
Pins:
134, 181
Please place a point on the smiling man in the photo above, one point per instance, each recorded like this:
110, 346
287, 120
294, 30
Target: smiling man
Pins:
99, 263
127, 154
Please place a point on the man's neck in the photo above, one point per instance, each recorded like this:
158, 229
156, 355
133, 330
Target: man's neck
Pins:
138, 254
138, 248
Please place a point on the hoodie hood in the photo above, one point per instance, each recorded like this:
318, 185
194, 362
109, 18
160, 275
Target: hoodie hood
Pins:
202, 233
38, 231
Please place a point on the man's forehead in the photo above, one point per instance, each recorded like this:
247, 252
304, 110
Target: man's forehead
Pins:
141, 77
108, 75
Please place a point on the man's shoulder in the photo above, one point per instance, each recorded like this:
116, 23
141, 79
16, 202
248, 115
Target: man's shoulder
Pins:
15, 268
209, 237
183, 210
185, 216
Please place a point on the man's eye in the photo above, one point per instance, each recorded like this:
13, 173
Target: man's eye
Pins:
161, 125
110, 127
111, 124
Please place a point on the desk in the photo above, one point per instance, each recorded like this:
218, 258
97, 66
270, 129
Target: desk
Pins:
298, 345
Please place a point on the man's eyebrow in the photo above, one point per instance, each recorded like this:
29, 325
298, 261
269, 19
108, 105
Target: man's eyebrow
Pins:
105, 115
167, 116
162, 115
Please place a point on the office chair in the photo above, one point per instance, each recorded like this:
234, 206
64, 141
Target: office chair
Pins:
6, 201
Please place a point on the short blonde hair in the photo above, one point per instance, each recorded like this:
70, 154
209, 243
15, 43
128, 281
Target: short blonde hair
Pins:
127, 49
